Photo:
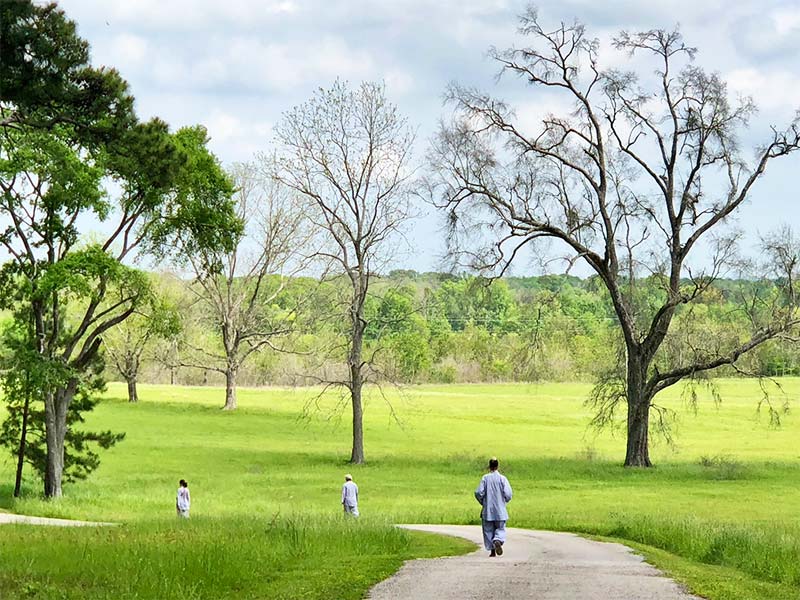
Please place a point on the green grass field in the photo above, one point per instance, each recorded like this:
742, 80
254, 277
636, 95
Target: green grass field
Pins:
719, 511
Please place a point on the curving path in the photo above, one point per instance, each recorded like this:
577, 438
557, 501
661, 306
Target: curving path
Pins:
536, 564
11, 519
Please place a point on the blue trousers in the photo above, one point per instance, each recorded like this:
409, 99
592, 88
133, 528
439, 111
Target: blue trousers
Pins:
493, 530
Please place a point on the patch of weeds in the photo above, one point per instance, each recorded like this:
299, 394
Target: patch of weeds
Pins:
723, 467
589, 454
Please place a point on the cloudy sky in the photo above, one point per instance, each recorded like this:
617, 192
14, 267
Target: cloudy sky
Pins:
236, 65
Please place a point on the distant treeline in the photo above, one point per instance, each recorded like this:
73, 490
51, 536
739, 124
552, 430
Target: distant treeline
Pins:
443, 328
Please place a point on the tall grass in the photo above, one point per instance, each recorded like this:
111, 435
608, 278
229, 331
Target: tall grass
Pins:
765, 551
209, 558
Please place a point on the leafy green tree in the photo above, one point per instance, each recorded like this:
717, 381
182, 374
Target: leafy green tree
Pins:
27, 377
397, 327
479, 301
63, 134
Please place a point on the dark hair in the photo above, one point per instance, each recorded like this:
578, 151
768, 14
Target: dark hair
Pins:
183, 483
493, 464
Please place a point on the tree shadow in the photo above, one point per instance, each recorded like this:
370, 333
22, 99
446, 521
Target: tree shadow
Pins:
6, 496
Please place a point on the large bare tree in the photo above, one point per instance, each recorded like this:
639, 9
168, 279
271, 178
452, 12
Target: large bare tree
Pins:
347, 152
240, 291
639, 178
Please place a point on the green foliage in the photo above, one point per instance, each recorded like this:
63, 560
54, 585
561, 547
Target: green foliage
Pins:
46, 79
68, 130
548, 328
27, 377
199, 217
474, 300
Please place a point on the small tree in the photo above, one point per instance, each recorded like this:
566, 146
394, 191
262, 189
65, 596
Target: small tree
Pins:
26, 380
635, 177
129, 343
240, 291
346, 152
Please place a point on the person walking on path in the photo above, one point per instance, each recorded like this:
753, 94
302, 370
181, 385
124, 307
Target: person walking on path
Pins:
184, 500
350, 496
493, 493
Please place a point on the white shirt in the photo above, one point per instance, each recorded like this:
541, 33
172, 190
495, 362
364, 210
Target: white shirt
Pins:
184, 499
350, 494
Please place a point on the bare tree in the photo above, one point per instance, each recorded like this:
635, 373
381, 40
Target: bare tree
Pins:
639, 175
347, 152
240, 291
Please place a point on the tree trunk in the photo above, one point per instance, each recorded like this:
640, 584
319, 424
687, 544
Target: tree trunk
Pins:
131, 374
230, 389
22, 439
56, 406
55, 432
357, 455
133, 395
638, 450
356, 384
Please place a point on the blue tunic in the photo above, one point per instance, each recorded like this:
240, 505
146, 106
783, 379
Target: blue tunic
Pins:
493, 493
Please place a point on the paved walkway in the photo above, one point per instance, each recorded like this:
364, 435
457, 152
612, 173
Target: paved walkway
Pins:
536, 564
9, 519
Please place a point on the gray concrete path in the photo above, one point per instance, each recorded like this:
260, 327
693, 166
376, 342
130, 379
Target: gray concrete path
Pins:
9, 519
535, 564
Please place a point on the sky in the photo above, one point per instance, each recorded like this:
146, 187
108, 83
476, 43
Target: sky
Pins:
236, 65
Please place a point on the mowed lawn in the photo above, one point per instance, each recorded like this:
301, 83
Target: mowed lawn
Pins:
719, 510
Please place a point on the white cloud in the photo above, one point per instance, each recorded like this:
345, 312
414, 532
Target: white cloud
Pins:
398, 81
249, 63
179, 15
787, 21
772, 90
130, 48
236, 138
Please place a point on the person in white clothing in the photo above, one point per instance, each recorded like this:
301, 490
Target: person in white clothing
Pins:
183, 500
350, 496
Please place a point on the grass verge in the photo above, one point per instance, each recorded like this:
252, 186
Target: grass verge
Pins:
310, 558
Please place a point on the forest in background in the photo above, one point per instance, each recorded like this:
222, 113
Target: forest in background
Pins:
437, 328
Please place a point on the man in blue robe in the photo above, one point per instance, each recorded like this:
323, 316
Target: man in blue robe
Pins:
493, 493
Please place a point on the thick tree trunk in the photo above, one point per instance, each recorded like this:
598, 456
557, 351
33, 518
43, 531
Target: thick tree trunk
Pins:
56, 406
55, 432
356, 384
638, 450
131, 374
22, 440
133, 395
230, 389
357, 455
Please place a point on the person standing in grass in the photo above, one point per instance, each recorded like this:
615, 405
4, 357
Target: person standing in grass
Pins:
493, 493
184, 500
350, 496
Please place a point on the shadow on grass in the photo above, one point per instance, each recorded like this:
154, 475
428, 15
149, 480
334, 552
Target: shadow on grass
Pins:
580, 469
29, 490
